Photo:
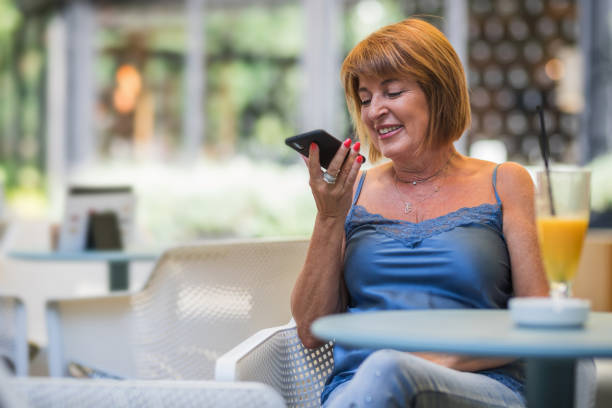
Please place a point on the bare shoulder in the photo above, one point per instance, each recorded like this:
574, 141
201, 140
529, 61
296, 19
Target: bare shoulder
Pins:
374, 173
513, 181
476, 167
373, 181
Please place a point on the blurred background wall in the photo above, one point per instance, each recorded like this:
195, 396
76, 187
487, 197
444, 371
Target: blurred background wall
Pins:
190, 101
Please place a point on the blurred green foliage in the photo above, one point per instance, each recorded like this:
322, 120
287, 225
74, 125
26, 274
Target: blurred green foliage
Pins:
9, 18
253, 81
22, 99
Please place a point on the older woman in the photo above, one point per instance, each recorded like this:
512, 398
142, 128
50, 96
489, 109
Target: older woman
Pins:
429, 228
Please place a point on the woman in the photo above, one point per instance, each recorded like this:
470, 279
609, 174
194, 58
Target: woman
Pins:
429, 228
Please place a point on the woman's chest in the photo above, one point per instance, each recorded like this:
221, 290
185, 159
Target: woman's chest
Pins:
474, 253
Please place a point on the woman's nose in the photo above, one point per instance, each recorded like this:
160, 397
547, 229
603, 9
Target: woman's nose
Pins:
378, 107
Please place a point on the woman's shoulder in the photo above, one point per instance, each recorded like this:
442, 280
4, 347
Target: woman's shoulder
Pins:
514, 181
512, 172
510, 179
508, 169
378, 168
373, 175
477, 167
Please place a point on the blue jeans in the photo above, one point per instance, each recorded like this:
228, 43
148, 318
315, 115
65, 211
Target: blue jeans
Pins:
389, 378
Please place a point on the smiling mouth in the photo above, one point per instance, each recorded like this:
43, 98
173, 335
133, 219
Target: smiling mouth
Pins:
387, 131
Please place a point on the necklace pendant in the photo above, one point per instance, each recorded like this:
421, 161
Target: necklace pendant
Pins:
407, 208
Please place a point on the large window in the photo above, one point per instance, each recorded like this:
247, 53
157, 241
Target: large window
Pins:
190, 101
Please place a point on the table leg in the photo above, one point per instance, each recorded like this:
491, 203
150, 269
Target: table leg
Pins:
118, 275
550, 383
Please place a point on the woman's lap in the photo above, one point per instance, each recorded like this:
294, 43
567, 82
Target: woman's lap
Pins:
389, 378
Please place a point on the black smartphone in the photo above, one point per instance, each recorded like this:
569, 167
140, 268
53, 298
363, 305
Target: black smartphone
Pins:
328, 145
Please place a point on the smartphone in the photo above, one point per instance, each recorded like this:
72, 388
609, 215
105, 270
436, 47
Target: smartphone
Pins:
328, 145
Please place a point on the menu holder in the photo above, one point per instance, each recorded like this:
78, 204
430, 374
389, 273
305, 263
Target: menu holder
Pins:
103, 232
97, 217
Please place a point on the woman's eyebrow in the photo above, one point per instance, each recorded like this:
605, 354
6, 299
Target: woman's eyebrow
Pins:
388, 81
383, 83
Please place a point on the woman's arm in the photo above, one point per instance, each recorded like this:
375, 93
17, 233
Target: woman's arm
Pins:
464, 363
319, 289
516, 191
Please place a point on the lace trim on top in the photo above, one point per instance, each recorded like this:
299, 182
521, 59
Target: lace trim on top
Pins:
411, 234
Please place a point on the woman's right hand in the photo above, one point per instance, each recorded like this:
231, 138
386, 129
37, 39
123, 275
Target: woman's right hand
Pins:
334, 200
319, 289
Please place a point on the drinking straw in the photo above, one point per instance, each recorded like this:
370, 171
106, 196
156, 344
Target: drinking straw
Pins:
545, 150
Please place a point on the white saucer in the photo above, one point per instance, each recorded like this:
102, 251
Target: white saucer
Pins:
549, 312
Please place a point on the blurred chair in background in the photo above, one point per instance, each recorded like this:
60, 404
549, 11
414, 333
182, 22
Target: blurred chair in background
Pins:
33, 392
13, 337
199, 302
276, 356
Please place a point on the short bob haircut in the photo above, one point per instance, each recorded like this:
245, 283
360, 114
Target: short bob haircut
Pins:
417, 50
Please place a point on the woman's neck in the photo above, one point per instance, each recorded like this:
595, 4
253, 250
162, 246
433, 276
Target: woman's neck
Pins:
426, 166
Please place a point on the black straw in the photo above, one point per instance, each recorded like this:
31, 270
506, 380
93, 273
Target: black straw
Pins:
545, 150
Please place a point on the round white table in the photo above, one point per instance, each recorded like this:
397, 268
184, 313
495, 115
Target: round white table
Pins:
550, 353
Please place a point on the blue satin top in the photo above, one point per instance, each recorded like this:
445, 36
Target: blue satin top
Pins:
458, 260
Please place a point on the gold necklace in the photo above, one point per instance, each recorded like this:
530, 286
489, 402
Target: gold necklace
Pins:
422, 180
409, 205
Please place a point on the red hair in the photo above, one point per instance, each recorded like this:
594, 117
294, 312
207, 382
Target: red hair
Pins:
417, 50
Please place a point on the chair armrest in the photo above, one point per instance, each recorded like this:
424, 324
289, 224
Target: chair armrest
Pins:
242, 363
277, 357
93, 332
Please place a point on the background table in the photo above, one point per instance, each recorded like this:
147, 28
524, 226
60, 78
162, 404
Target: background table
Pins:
118, 261
550, 353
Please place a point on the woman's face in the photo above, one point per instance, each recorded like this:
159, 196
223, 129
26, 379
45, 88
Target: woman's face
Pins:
395, 113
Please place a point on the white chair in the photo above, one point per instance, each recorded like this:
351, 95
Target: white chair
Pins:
13, 338
199, 301
276, 357
37, 392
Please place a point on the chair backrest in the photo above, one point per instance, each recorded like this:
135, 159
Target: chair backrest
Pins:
13, 339
201, 300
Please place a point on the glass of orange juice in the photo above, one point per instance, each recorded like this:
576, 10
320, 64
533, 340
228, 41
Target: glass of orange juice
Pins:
562, 205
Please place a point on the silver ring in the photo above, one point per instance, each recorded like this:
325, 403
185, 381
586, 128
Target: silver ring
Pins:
328, 178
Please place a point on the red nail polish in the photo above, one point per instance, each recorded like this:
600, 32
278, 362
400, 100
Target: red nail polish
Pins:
359, 159
347, 142
356, 146
313, 146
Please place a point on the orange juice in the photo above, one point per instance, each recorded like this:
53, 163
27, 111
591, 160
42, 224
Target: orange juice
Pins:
561, 240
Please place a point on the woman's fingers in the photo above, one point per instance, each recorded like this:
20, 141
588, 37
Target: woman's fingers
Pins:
333, 190
314, 166
353, 164
335, 166
343, 167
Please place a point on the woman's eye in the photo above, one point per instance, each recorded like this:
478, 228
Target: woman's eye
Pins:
394, 94
365, 102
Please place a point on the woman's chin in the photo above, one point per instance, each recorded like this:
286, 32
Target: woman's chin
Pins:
391, 152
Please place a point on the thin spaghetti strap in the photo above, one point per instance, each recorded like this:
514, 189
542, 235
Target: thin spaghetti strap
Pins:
495, 184
359, 187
